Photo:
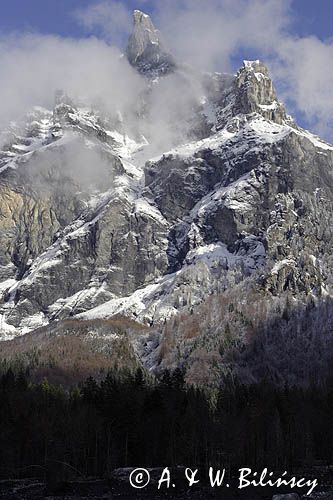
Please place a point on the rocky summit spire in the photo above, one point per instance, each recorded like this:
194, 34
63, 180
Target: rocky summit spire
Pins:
255, 92
145, 50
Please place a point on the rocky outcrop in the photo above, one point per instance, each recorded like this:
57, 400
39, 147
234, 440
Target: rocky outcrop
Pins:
255, 93
145, 50
250, 91
27, 227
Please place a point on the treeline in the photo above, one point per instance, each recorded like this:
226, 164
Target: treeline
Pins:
280, 339
129, 419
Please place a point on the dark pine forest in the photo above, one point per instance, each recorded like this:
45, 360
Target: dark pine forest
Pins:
128, 419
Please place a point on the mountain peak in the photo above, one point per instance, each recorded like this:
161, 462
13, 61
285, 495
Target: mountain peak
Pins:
256, 93
143, 36
145, 50
256, 66
139, 16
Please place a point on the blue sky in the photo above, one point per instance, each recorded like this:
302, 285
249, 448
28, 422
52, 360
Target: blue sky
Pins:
299, 54
310, 17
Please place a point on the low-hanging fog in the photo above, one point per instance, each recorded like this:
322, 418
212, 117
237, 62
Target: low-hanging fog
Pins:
97, 75
33, 67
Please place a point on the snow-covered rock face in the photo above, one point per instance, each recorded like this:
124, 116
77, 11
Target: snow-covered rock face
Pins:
145, 50
89, 229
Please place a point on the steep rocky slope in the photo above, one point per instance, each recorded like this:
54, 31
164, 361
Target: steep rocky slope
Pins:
92, 227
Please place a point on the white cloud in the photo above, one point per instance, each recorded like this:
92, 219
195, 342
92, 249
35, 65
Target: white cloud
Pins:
304, 65
111, 18
33, 67
207, 34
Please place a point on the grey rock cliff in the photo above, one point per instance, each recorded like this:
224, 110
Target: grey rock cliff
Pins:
145, 50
